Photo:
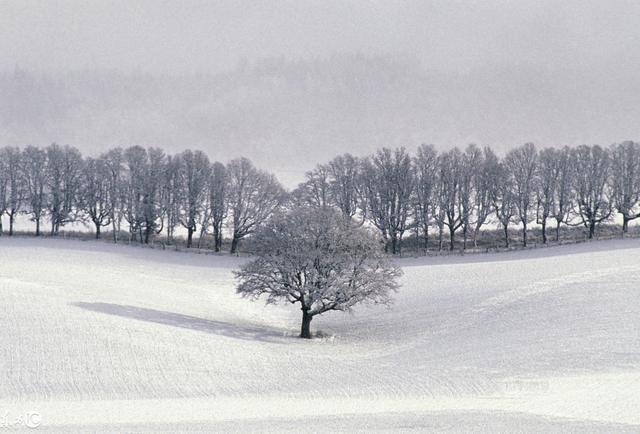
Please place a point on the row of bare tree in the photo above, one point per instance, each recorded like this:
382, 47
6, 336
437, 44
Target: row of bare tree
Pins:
462, 191
149, 191
455, 193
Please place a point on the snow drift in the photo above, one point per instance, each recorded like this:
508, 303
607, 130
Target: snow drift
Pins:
115, 338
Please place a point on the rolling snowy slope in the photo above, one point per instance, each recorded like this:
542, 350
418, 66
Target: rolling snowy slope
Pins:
100, 338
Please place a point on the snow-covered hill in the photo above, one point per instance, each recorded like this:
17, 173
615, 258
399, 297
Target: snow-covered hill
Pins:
107, 338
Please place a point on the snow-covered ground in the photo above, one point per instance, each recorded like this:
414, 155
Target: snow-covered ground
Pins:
101, 338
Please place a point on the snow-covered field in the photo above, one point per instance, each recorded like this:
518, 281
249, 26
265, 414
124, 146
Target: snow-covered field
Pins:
102, 338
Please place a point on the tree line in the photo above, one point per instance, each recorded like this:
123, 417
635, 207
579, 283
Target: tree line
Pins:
437, 197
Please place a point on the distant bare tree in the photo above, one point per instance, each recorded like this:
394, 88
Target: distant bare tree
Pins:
425, 164
388, 186
135, 160
113, 161
4, 186
194, 172
218, 201
34, 160
253, 197
563, 194
546, 181
484, 189
625, 180
449, 178
95, 193
152, 193
470, 164
345, 184
171, 195
504, 199
522, 162
439, 215
5, 177
592, 164
64, 168
14, 188
142, 188
315, 191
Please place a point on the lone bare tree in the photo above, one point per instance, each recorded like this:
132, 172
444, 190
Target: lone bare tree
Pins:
319, 259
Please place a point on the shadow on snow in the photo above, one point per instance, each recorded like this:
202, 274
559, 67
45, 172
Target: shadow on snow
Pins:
184, 321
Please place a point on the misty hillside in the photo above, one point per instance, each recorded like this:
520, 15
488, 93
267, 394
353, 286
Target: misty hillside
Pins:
290, 115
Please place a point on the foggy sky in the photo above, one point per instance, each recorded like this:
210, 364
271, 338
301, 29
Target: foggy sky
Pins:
582, 49
186, 36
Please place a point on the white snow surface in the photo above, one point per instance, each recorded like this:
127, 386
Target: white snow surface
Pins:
104, 338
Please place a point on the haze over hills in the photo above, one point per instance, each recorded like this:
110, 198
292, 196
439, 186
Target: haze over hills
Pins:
289, 115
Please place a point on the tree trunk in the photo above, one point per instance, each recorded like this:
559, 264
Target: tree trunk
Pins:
506, 235
1, 229
216, 238
592, 229
452, 238
97, 230
558, 230
113, 228
169, 234
426, 239
11, 224
189, 237
524, 234
394, 244
464, 237
544, 231
203, 229
37, 226
234, 244
440, 232
305, 330
625, 224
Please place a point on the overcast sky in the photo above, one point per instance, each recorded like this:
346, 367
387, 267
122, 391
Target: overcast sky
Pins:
184, 36
556, 72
